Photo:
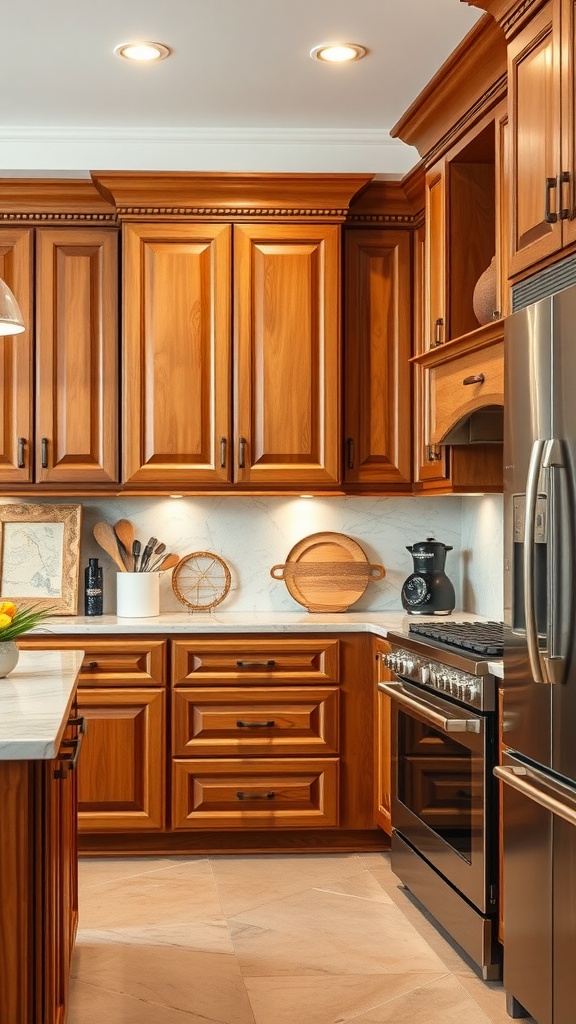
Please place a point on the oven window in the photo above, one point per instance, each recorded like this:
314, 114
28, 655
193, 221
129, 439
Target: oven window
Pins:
441, 781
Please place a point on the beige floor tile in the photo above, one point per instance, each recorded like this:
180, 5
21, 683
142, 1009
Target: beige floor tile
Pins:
284, 872
321, 932
330, 1000
202, 935
361, 885
207, 985
90, 1005
103, 870
239, 897
440, 1002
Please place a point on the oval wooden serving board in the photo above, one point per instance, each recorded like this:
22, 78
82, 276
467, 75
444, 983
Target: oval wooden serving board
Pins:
327, 572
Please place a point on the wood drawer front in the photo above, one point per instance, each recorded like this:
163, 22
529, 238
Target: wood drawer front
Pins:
116, 662
205, 794
233, 721
121, 769
451, 399
255, 662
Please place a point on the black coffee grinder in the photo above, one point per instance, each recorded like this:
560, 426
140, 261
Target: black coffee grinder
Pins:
428, 591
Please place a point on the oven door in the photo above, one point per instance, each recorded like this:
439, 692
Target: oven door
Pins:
441, 785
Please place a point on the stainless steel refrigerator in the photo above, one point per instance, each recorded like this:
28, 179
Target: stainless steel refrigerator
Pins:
539, 713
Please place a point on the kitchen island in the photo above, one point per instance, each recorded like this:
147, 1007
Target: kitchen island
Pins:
39, 744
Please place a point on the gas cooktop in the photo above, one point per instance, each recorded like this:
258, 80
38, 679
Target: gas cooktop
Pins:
485, 638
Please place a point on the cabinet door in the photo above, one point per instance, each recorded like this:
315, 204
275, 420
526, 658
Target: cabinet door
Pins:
568, 59
287, 354
377, 347
177, 366
436, 326
121, 771
534, 91
76, 355
16, 367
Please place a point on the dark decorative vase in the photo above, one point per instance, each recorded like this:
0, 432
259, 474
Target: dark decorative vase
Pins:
484, 297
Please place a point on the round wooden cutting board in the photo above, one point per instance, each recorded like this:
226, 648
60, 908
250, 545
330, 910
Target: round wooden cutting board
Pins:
327, 572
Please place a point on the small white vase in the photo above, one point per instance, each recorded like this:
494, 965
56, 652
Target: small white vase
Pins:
9, 655
137, 594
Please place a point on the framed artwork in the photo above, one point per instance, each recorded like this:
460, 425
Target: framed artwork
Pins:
40, 556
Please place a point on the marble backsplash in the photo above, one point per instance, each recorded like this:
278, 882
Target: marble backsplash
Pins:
253, 534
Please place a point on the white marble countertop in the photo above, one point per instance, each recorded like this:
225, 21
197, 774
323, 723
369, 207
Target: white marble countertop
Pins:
206, 623
35, 702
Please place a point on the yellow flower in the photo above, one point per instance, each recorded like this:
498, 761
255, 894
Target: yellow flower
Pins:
5, 620
7, 608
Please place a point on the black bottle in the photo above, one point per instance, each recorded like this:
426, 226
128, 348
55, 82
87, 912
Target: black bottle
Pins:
93, 596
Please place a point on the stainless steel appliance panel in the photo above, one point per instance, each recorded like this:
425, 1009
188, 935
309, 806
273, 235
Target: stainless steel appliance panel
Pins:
440, 786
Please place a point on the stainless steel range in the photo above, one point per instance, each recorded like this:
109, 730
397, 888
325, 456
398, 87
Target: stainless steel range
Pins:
444, 796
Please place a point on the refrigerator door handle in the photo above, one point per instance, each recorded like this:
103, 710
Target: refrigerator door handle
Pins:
539, 790
559, 535
533, 477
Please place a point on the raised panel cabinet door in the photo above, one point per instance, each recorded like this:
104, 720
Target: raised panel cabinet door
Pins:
77, 355
437, 328
287, 354
377, 349
534, 91
177, 354
16, 361
121, 771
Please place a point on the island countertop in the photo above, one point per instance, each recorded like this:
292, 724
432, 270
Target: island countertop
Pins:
35, 702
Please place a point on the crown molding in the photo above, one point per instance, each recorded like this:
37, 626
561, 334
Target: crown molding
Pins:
60, 200
229, 195
212, 136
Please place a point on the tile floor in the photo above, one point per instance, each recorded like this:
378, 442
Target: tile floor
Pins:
275, 939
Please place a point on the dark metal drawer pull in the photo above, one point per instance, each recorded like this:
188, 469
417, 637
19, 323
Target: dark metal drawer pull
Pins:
475, 378
549, 215
256, 725
222, 453
256, 796
350, 450
44, 452
91, 665
68, 762
438, 327
255, 664
21, 446
80, 721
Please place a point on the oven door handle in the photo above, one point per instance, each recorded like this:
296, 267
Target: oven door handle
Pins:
422, 707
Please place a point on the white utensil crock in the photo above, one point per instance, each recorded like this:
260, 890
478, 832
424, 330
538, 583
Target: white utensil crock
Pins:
137, 594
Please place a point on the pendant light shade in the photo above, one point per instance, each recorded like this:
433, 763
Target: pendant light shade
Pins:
11, 321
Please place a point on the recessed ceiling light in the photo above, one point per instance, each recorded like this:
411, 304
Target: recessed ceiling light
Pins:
338, 53
143, 52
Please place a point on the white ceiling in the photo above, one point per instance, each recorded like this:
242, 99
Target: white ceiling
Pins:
239, 92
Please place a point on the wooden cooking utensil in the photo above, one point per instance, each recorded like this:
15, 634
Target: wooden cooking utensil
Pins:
168, 562
124, 531
106, 538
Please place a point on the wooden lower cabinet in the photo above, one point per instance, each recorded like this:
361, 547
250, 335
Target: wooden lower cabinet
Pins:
246, 793
177, 727
121, 780
38, 888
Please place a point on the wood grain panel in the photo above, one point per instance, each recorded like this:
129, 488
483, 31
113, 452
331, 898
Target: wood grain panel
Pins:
77, 355
121, 771
287, 353
436, 306
176, 392
246, 722
451, 400
383, 788
16, 359
245, 794
267, 662
377, 346
534, 95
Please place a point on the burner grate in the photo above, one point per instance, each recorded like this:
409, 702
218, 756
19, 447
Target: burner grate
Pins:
485, 638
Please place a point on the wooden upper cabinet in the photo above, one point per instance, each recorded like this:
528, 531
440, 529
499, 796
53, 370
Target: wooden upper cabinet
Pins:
177, 353
377, 347
16, 359
76, 355
287, 354
58, 400
535, 115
